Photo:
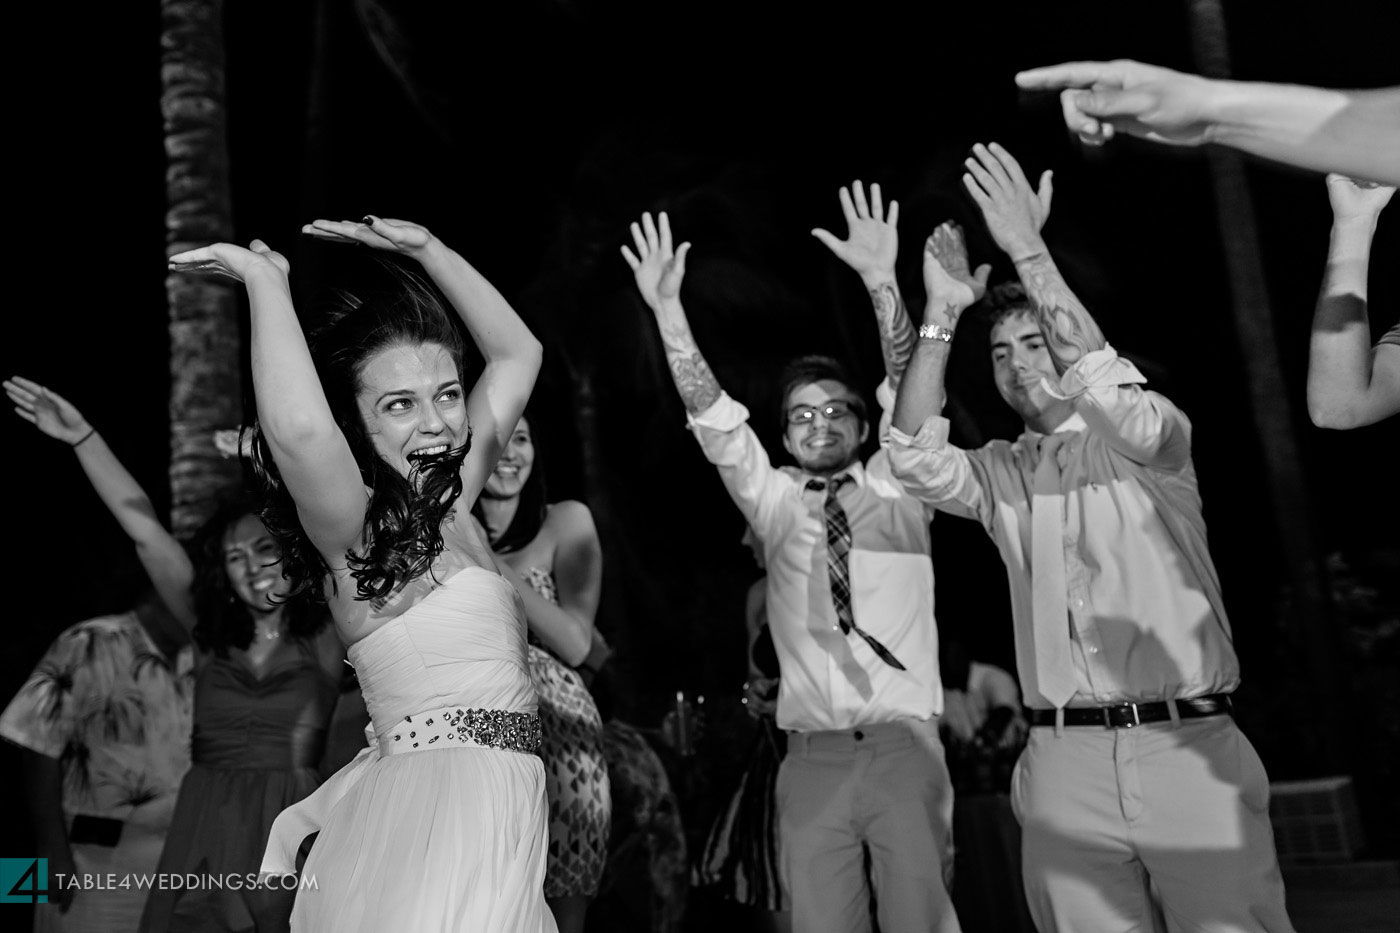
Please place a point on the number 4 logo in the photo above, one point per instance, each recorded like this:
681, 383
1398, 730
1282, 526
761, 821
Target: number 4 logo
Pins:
24, 881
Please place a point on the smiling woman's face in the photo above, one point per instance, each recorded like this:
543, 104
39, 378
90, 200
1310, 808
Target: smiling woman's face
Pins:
253, 561
516, 463
412, 403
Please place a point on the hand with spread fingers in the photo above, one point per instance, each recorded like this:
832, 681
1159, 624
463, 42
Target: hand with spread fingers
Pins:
949, 281
225, 260
48, 411
395, 236
1014, 212
872, 238
659, 270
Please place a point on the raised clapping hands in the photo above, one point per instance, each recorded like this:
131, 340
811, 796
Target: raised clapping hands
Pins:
1356, 199
658, 269
872, 240
48, 411
1101, 99
948, 280
1013, 211
228, 261
395, 236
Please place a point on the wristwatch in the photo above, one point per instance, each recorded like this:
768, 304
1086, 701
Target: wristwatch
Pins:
936, 332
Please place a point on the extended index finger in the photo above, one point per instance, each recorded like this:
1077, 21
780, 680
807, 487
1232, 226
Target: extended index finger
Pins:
1070, 74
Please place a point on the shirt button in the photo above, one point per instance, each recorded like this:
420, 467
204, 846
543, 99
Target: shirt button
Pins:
859, 735
836, 628
1079, 604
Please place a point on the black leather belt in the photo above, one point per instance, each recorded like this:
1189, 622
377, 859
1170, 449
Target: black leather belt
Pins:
1127, 715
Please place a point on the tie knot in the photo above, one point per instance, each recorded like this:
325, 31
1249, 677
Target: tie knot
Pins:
817, 485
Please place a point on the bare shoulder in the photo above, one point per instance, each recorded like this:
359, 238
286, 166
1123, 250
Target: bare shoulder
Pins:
569, 520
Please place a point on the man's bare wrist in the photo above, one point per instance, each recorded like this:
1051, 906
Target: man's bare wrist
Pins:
1028, 253
875, 278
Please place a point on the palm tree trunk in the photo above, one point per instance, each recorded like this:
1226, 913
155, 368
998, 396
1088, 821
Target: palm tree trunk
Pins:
205, 344
1274, 417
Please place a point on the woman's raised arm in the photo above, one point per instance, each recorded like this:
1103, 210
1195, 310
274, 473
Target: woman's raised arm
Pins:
310, 451
167, 565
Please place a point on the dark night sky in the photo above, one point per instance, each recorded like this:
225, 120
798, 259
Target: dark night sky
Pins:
561, 122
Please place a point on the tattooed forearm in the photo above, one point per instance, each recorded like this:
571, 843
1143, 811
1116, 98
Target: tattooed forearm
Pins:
1069, 329
694, 379
896, 330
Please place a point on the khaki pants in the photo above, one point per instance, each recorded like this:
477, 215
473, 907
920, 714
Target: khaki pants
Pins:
1106, 813
885, 786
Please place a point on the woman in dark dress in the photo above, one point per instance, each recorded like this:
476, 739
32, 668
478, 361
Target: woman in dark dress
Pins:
264, 691
264, 695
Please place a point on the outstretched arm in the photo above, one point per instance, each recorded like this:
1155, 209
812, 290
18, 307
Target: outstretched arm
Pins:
165, 561
719, 423
659, 271
512, 354
1350, 383
311, 453
1015, 214
1356, 133
870, 248
952, 288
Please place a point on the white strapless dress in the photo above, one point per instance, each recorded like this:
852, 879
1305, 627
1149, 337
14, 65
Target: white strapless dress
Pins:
447, 837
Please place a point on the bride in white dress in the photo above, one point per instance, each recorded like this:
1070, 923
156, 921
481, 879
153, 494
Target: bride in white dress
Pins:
441, 824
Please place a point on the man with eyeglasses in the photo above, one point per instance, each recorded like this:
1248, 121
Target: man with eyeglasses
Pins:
849, 600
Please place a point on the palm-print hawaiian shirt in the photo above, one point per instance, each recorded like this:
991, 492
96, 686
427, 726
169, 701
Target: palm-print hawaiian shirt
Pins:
114, 710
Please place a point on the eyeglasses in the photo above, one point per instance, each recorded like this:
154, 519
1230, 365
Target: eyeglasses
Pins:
832, 410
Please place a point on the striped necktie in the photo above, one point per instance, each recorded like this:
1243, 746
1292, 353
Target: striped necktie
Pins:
838, 551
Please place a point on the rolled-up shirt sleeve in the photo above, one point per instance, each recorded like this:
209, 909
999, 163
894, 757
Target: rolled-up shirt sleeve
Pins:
936, 472
1142, 425
755, 485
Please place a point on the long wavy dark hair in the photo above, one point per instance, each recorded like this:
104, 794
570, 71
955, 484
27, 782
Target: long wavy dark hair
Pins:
222, 621
403, 520
534, 502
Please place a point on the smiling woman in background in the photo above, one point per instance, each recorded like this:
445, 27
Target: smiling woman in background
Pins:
264, 690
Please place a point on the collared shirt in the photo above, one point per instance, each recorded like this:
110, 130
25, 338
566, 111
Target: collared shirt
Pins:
1146, 617
114, 710
831, 680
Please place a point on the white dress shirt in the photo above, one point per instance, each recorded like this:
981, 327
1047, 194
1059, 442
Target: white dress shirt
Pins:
831, 680
1146, 618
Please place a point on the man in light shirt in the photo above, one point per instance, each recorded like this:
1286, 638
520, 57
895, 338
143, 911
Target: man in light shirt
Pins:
1135, 778
849, 601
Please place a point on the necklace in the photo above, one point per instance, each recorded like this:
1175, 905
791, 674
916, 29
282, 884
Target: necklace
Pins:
270, 634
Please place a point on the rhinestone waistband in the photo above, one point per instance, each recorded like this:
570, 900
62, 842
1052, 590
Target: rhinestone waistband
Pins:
458, 726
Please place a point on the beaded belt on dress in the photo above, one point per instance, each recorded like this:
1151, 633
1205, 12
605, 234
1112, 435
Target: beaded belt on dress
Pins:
456, 726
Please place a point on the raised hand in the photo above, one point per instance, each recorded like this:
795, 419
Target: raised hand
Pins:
395, 236
225, 260
47, 410
1013, 211
950, 283
872, 240
657, 268
1351, 198
1104, 98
